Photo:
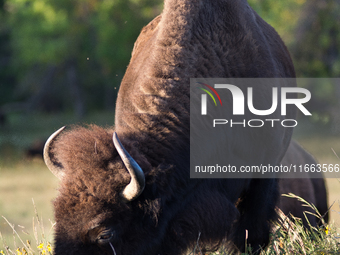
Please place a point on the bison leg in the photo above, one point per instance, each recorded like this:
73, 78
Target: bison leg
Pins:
257, 209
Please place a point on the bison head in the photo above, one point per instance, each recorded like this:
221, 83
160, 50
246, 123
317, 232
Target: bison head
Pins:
99, 180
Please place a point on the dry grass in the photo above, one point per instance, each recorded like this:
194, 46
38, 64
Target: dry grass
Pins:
289, 236
19, 183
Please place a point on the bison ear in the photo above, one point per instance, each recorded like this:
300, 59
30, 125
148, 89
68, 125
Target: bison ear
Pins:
51, 162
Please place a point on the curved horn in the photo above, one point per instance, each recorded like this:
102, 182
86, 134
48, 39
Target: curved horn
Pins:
137, 183
54, 167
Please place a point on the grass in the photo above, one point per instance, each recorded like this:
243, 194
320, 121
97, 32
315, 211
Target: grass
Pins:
289, 236
322, 147
40, 246
19, 185
22, 179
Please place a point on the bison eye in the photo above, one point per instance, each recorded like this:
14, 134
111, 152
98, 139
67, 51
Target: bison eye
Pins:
105, 237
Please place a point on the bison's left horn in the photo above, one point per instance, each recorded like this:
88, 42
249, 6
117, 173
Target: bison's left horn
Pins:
54, 167
137, 183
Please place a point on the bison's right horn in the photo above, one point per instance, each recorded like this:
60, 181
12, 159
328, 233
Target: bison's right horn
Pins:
137, 183
54, 167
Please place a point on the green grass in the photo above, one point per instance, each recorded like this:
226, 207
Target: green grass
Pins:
289, 236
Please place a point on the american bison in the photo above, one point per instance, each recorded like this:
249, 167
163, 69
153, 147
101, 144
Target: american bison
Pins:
313, 190
127, 190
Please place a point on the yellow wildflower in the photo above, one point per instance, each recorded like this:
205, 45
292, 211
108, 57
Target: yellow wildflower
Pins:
43, 252
40, 246
327, 230
281, 244
49, 248
2, 252
18, 251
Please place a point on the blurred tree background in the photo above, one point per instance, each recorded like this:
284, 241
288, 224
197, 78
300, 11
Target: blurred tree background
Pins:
311, 30
70, 56
62, 55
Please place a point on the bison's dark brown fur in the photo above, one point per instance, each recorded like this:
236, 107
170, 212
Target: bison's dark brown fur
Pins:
191, 38
313, 190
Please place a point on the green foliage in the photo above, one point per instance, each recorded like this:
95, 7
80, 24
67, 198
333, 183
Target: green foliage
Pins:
316, 52
317, 45
6, 76
92, 38
95, 38
311, 30
282, 15
38, 32
45, 31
